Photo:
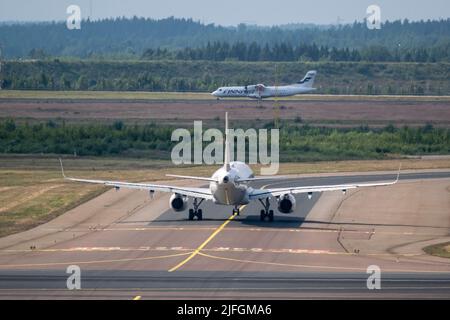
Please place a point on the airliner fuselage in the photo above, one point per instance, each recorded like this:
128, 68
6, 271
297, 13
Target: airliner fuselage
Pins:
226, 189
260, 91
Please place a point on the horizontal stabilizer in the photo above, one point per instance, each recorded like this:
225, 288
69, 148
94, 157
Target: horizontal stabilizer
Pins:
261, 178
191, 177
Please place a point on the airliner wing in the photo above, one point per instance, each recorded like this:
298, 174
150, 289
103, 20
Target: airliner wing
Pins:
276, 192
203, 193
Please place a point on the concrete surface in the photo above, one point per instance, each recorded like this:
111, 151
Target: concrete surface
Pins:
125, 244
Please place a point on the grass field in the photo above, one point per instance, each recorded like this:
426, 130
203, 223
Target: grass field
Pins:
138, 95
441, 250
33, 192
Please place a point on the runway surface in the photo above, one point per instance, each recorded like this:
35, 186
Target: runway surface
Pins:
128, 245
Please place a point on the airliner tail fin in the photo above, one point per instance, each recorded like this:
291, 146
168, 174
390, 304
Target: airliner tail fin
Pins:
308, 80
227, 145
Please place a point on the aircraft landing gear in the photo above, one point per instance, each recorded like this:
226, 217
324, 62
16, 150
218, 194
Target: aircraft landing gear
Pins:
236, 211
196, 212
266, 212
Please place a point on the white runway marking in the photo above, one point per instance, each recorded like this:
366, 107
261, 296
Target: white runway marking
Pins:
215, 249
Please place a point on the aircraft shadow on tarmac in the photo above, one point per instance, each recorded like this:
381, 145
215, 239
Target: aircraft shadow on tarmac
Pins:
279, 222
249, 220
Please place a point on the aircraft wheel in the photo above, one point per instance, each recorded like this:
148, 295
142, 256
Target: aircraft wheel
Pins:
262, 215
200, 214
271, 215
191, 214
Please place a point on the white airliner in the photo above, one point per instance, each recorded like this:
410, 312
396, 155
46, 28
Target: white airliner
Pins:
229, 186
260, 91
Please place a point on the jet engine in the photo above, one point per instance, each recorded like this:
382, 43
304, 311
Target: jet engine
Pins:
286, 203
178, 202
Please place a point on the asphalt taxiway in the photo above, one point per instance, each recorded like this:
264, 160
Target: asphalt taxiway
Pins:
129, 245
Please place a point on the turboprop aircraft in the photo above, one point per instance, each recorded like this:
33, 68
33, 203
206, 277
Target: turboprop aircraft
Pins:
260, 91
229, 186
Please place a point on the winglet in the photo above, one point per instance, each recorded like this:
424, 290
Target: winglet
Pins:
62, 168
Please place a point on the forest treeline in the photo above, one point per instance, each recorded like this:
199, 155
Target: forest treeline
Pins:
129, 38
206, 76
297, 141
240, 51
138, 54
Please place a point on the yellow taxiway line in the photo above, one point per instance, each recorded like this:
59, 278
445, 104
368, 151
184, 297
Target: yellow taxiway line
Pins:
197, 251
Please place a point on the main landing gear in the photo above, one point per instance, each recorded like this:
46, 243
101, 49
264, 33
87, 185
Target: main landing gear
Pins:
266, 212
196, 212
236, 211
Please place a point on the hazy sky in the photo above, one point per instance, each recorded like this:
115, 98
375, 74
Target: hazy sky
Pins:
228, 12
